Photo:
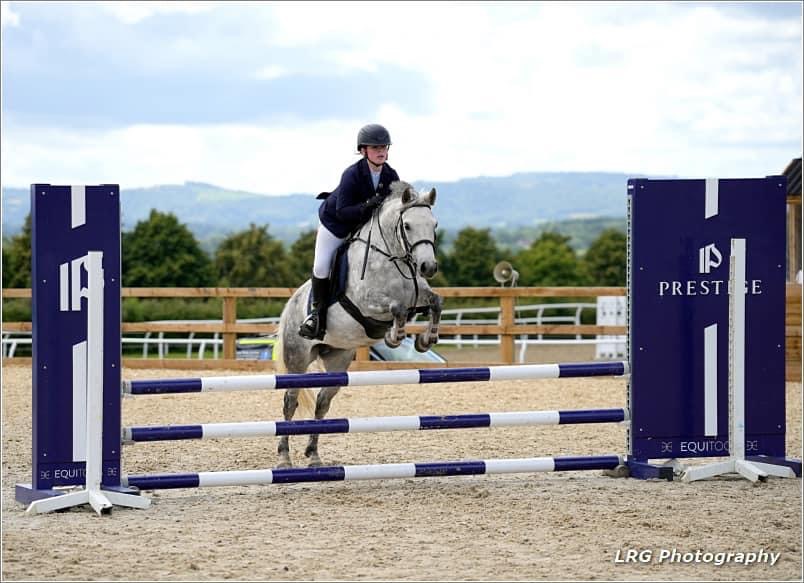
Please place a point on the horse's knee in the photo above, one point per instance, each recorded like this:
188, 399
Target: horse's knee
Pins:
398, 311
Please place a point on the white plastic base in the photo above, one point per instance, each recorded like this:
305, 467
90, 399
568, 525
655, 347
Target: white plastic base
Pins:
100, 500
748, 469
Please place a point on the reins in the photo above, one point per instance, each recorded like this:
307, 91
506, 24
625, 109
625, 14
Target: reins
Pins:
406, 258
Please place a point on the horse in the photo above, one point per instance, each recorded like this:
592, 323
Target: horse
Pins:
390, 258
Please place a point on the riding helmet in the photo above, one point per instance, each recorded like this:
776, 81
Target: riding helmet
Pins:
373, 135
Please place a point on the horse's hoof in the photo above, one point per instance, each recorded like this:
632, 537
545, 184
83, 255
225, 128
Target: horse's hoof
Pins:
420, 344
392, 343
315, 462
284, 464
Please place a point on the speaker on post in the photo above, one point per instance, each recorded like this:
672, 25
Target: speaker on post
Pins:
505, 272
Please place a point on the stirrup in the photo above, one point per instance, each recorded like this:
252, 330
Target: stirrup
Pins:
311, 327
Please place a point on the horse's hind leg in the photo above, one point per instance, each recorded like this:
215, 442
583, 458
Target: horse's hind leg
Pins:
297, 355
288, 409
334, 361
322, 403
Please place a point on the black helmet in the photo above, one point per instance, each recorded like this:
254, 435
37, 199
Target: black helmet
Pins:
373, 135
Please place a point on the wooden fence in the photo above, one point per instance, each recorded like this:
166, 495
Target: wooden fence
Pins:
507, 328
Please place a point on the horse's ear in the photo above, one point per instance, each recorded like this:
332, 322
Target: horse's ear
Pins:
431, 196
408, 195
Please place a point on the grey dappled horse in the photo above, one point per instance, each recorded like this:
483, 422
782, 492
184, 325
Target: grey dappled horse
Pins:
398, 247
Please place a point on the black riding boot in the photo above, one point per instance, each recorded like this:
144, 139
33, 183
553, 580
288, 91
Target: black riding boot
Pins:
315, 325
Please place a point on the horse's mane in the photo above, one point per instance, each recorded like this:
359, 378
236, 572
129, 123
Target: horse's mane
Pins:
398, 188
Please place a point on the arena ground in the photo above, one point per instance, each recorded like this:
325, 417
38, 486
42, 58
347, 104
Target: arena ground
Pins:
556, 526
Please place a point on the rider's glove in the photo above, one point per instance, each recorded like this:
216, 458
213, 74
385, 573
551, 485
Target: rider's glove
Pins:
374, 201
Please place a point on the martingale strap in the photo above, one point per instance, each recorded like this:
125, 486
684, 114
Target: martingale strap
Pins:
377, 328
374, 328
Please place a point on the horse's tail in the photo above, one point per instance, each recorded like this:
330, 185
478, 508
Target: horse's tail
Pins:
306, 398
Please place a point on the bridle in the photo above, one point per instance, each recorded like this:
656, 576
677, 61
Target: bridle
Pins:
403, 236
406, 258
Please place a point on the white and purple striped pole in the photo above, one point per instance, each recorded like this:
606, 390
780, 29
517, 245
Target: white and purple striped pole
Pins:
373, 378
371, 424
372, 472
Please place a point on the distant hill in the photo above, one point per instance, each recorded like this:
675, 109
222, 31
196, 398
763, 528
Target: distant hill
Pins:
521, 200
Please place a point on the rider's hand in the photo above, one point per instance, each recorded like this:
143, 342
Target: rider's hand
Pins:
374, 201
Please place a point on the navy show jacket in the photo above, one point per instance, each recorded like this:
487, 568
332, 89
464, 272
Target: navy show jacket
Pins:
343, 210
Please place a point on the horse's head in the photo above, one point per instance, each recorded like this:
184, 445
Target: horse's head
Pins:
409, 215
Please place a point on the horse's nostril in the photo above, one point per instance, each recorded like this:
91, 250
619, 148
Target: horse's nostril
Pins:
429, 269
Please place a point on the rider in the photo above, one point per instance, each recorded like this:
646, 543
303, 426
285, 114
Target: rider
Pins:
363, 187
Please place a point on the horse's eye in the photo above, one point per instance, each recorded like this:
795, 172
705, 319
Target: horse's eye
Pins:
407, 226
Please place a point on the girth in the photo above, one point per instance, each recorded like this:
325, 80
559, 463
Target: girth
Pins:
374, 328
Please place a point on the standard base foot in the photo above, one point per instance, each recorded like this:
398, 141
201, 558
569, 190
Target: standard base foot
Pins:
101, 501
750, 470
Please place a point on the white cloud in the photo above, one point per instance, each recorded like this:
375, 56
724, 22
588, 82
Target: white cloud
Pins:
656, 88
136, 11
271, 160
7, 16
270, 72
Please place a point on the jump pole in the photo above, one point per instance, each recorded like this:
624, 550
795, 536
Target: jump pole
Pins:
371, 424
372, 472
374, 378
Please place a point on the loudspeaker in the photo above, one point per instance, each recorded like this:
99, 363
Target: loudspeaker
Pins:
505, 272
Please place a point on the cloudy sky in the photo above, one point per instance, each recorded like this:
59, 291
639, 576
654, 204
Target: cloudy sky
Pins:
268, 97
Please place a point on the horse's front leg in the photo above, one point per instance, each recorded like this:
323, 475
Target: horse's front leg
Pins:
394, 336
430, 336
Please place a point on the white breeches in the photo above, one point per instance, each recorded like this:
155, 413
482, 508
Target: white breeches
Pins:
325, 246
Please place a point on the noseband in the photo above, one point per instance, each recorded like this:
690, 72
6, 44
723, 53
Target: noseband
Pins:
407, 257
404, 237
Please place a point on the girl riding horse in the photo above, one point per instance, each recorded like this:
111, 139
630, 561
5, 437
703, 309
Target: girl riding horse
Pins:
364, 185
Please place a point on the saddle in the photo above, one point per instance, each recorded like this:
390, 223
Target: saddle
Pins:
338, 278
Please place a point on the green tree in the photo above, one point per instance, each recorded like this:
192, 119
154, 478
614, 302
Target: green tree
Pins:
549, 261
252, 258
161, 252
474, 255
301, 256
17, 258
6, 257
606, 258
